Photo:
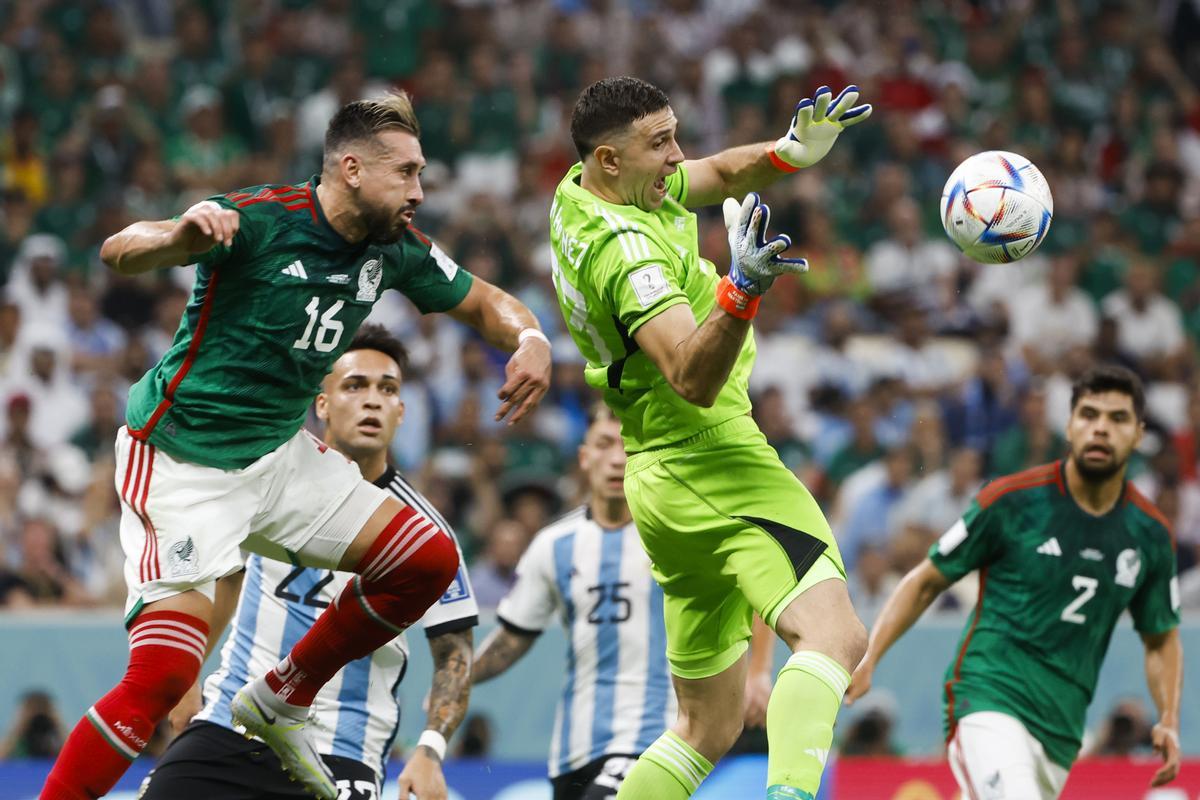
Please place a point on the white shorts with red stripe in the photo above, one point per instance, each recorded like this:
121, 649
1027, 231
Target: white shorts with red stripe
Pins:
184, 525
995, 757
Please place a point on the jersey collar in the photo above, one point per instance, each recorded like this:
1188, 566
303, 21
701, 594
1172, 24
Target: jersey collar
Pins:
385, 480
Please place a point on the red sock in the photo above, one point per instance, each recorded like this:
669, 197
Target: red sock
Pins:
407, 568
166, 649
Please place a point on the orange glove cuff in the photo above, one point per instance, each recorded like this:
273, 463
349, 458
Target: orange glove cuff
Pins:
736, 302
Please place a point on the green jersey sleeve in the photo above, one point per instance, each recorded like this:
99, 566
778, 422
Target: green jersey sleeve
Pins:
426, 275
1155, 605
972, 542
638, 280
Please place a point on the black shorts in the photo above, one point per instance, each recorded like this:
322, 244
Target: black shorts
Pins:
210, 761
598, 780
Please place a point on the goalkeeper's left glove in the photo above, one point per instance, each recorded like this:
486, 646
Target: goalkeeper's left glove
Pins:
815, 127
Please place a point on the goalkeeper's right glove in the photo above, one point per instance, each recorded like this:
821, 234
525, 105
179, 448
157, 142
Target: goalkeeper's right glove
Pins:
755, 262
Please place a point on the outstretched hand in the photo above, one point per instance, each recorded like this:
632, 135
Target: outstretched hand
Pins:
756, 261
815, 127
527, 377
1166, 743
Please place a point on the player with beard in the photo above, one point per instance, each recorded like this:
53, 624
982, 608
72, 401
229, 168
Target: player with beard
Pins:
1062, 551
213, 461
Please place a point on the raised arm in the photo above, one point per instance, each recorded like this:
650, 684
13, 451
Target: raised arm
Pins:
815, 127
448, 699
146, 246
908, 601
505, 322
499, 651
1164, 675
697, 360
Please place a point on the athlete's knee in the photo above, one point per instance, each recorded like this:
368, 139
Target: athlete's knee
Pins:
711, 733
412, 555
853, 645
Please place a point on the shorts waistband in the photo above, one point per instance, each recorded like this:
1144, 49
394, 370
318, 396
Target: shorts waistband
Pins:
729, 429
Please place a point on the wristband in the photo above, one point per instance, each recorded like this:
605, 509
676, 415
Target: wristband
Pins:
778, 162
531, 333
736, 302
435, 742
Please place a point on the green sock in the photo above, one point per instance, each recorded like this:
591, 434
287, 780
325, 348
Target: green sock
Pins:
669, 770
800, 717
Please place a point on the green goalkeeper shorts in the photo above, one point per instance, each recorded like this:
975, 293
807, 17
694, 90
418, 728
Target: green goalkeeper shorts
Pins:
731, 531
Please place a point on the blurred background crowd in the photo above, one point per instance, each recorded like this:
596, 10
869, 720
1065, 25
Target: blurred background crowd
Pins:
894, 378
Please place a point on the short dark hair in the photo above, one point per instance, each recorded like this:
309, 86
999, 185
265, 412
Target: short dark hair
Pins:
374, 336
598, 411
609, 105
1110, 378
361, 120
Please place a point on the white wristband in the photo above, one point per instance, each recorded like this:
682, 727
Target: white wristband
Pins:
531, 333
435, 742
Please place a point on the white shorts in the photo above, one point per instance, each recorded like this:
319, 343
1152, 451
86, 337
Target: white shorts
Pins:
994, 757
184, 525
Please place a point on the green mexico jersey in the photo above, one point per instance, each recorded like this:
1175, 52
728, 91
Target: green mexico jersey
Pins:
268, 317
615, 268
1053, 581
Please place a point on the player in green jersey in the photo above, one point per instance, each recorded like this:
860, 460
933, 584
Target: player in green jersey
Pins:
213, 461
1062, 550
729, 529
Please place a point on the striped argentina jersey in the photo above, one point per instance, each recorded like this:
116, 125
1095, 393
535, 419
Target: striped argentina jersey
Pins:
617, 696
358, 711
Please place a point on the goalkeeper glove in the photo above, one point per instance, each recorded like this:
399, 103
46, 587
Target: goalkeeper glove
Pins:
755, 262
815, 127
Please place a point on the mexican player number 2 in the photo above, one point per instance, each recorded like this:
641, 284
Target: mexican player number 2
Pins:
1087, 590
330, 332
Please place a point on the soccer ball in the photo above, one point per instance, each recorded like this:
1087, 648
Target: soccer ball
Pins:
997, 207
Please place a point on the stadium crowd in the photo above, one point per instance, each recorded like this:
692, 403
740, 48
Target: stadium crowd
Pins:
894, 378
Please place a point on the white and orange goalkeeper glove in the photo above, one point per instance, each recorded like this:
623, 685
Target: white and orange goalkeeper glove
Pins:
755, 260
815, 127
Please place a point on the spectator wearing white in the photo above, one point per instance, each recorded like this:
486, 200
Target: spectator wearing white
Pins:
1149, 326
35, 285
939, 499
1048, 318
59, 408
909, 261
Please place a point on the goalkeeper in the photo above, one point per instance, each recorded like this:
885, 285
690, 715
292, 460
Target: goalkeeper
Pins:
729, 529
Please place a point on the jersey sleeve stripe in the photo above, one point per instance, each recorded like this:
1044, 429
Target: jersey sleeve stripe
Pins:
1142, 502
143, 433
1029, 479
962, 652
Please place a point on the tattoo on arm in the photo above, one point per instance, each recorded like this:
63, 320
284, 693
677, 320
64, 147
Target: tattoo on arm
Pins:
451, 688
499, 652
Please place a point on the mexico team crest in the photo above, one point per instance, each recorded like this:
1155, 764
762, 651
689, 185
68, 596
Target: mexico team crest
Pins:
369, 278
182, 559
1129, 564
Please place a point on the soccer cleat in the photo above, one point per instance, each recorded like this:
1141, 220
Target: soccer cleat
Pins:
286, 735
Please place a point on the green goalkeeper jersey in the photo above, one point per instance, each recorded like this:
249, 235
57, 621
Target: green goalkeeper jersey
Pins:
268, 317
616, 267
1053, 580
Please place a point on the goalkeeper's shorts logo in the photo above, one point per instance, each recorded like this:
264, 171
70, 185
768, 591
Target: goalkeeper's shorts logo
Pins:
182, 559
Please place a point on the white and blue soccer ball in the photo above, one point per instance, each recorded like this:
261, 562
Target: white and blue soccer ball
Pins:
997, 207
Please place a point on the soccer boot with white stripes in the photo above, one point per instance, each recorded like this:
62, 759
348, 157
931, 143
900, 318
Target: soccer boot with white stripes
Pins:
256, 708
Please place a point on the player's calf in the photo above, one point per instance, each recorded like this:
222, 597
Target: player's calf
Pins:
166, 649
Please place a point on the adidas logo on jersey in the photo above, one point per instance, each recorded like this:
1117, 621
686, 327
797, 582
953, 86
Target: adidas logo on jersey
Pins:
295, 269
1050, 547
